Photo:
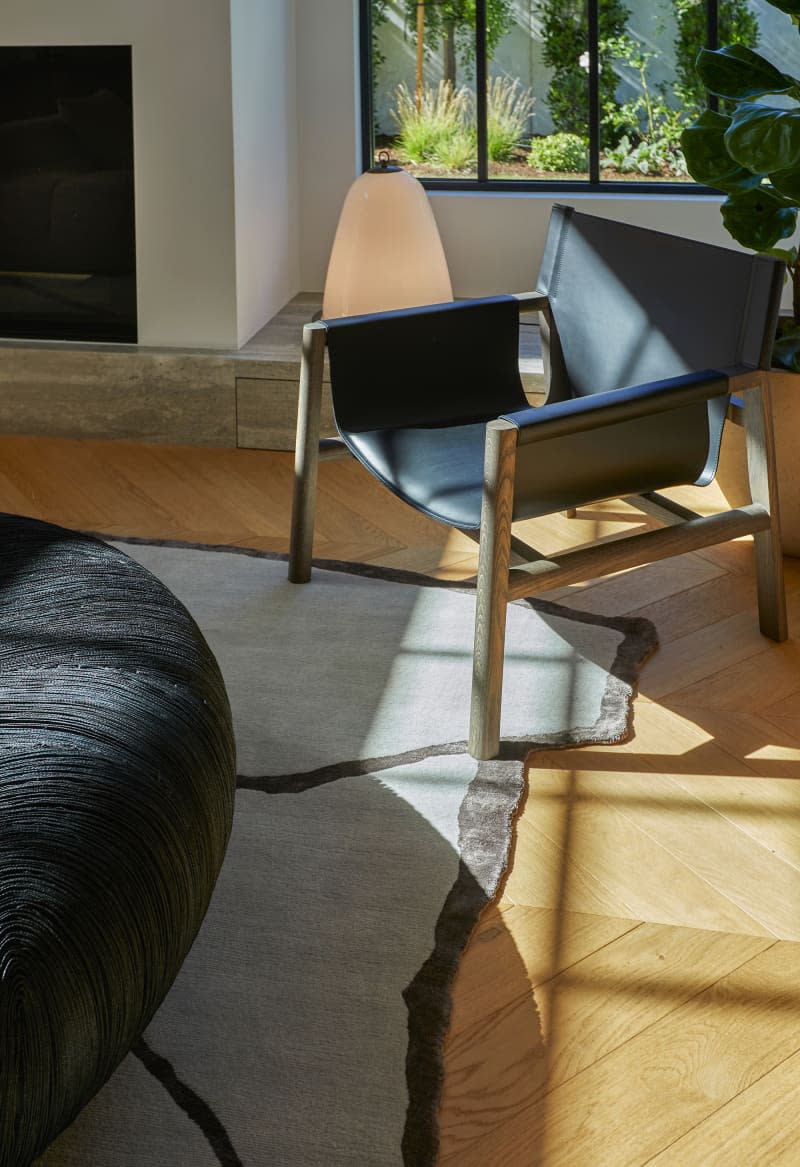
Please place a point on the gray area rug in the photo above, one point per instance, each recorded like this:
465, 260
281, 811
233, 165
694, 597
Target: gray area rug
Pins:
306, 1026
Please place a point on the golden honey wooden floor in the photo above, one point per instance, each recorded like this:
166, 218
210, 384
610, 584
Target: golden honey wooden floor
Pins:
634, 997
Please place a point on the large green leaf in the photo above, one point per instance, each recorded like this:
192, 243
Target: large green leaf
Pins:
758, 218
764, 139
741, 74
787, 183
707, 157
787, 255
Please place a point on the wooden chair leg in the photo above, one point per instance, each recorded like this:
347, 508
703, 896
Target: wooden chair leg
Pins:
492, 589
306, 453
761, 469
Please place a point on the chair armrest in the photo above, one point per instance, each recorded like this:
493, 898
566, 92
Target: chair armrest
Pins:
532, 301
440, 364
616, 405
742, 383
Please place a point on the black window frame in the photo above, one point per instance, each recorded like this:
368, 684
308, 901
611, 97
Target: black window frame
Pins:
591, 185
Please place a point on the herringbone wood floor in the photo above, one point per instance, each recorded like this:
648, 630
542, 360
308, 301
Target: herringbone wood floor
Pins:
634, 997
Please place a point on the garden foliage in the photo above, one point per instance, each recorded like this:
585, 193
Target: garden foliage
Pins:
568, 153
565, 30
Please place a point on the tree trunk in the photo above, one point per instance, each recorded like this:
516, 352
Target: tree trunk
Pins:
420, 51
450, 54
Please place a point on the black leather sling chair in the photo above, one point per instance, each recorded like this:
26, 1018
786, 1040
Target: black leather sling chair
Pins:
646, 338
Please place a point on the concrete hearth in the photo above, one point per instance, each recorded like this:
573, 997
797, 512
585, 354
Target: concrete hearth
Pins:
189, 396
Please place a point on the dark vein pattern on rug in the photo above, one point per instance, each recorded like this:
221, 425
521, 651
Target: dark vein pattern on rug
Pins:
194, 1107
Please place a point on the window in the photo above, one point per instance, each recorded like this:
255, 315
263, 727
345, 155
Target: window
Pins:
565, 94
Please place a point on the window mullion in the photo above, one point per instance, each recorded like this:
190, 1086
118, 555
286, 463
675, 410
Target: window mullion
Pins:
481, 73
712, 24
593, 23
365, 67
712, 41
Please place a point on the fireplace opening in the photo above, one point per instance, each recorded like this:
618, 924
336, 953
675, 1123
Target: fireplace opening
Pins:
67, 243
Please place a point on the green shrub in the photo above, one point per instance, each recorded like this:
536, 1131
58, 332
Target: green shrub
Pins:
458, 151
656, 156
440, 128
564, 152
508, 108
426, 127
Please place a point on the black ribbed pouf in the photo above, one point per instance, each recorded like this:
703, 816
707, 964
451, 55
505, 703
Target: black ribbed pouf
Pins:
117, 780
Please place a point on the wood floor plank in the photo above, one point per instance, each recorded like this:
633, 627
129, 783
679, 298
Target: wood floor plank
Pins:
759, 1126
642, 857
739, 686
663, 740
545, 943
685, 611
753, 743
731, 860
538, 880
629, 591
788, 705
60, 490
663, 1082
701, 655
601, 1002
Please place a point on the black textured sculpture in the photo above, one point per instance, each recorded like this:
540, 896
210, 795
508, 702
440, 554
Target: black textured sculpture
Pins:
117, 779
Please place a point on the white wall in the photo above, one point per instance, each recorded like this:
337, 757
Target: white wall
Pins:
494, 243
263, 53
328, 125
193, 226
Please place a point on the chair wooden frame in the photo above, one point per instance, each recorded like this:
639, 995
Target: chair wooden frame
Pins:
499, 581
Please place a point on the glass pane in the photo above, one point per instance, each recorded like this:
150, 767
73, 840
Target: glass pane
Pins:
778, 40
737, 24
649, 90
423, 70
538, 90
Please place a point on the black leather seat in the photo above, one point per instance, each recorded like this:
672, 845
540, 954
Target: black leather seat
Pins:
646, 336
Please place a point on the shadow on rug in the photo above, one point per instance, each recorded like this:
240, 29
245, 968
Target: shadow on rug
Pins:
305, 1028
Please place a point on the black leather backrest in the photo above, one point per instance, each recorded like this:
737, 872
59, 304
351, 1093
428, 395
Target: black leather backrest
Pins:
631, 305
436, 365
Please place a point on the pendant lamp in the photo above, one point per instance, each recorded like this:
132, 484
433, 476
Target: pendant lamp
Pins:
387, 252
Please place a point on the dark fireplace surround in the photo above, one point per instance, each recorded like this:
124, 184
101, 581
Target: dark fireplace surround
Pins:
67, 242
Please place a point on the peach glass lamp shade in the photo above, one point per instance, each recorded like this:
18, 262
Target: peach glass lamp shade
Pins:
387, 252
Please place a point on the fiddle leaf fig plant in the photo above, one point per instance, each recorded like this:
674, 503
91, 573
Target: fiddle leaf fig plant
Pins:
750, 150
